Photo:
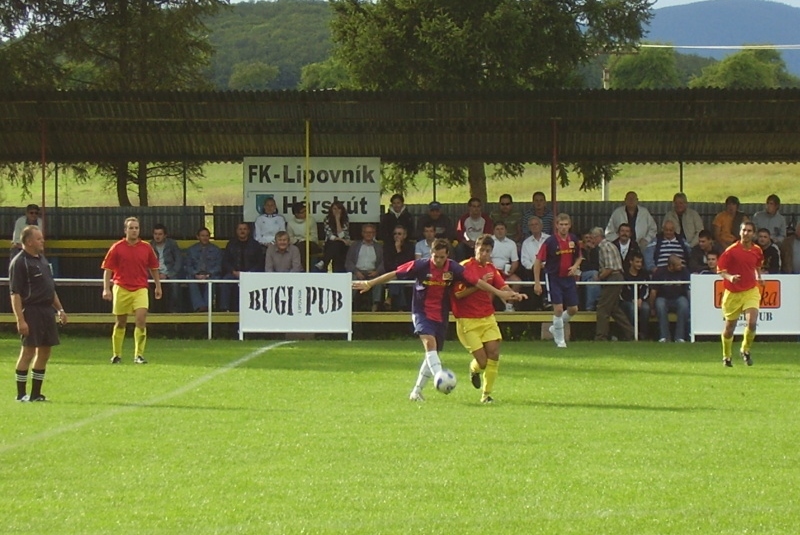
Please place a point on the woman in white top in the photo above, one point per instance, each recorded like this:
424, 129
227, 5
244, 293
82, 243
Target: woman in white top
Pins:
296, 227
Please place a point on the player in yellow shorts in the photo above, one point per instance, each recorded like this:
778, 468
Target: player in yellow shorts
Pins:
127, 264
475, 322
740, 267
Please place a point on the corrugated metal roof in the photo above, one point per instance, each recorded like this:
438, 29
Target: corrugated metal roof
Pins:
690, 125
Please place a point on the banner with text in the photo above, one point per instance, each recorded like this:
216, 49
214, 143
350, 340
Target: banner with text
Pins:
356, 182
295, 303
779, 312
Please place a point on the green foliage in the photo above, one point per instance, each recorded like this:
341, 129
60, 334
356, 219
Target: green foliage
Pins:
748, 69
125, 45
469, 44
252, 76
319, 437
288, 34
649, 68
328, 74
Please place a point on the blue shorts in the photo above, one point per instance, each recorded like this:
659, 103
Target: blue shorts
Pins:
563, 291
437, 329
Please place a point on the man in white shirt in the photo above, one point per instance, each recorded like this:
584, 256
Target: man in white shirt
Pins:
505, 257
530, 248
643, 226
422, 250
771, 219
365, 261
688, 222
31, 217
269, 223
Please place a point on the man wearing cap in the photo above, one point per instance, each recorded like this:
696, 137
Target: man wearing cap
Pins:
726, 221
31, 217
442, 225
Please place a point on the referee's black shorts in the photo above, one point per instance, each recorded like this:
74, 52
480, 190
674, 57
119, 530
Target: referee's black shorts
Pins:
42, 328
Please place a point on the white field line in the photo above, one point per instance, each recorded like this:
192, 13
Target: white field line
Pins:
50, 433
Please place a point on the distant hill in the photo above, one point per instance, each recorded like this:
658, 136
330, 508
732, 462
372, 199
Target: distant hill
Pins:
729, 22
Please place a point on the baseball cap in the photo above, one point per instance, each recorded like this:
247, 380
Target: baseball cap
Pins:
435, 205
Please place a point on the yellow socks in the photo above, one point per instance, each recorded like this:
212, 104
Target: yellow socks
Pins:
749, 336
489, 377
117, 337
139, 339
474, 367
727, 347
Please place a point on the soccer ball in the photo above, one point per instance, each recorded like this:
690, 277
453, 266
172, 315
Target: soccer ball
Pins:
444, 381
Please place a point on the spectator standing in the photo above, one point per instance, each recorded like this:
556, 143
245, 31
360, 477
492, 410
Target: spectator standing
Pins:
203, 262
242, 253
337, 238
632, 298
126, 264
282, 256
687, 221
643, 226
397, 214
269, 223
296, 227
442, 225
36, 305
539, 209
739, 267
666, 298
31, 217
771, 219
365, 262
698, 256
726, 223
505, 258
608, 302
170, 265
560, 257
627, 247
396, 253
772, 254
470, 226
528, 252
512, 218
790, 252
666, 244
422, 249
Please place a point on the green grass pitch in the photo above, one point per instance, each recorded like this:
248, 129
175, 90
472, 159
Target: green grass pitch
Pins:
319, 437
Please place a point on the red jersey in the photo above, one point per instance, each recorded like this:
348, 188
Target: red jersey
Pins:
558, 254
478, 304
130, 264
737, 260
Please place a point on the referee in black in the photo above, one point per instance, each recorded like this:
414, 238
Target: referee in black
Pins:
35, 304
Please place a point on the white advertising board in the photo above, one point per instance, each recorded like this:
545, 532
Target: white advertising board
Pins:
295, 303
356, 182
779, 312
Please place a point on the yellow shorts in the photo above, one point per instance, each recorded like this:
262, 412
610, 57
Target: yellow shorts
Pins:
473, 332
126, 301
734, 303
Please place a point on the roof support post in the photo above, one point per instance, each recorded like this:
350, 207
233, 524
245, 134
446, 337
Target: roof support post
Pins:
554, 170
43, 147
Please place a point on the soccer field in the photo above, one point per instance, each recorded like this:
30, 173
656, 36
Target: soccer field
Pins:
264, 437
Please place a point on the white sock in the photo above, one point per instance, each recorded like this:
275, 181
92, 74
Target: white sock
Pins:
422, 378
565, 317
432, 358
558, 329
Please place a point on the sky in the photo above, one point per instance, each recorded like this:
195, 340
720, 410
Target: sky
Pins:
668, 3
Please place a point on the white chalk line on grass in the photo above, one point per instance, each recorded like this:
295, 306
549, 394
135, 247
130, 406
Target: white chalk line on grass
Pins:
50, 433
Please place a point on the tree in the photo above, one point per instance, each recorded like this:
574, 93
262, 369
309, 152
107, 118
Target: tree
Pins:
328, 74
649, 68
120, 45
748, 69
252, 76
478, 44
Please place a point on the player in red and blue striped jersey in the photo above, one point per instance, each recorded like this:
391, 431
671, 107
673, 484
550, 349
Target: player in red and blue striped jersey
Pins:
430, 305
